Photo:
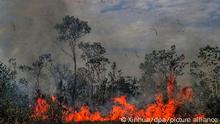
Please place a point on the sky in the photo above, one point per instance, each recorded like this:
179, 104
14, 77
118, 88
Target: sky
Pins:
128, 29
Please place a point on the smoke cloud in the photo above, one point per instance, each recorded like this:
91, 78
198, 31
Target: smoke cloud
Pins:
27, 27
128, 29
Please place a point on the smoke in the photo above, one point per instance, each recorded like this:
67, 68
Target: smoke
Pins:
27, 31
127, 29
27, 27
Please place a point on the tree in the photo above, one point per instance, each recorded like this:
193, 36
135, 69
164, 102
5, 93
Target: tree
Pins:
206, 73
115, 73
158, 66
84, 87
70, 31
13, 104
93, 54
110, 86
125, 85
36, 69
94, 57
63, 78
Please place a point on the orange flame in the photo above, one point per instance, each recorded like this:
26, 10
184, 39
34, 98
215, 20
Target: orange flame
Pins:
40, 110
170, 86
53, 98
199, 116
124, 109
121, 108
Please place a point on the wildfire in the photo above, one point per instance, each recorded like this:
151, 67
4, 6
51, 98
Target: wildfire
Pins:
199, 116
121, 108
187, 94
124, 109
40, 110
53, 98
170, 86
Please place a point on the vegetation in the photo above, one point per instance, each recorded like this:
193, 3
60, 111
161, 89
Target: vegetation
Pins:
13, 104
100, 79
206, 73
158, 66
70, 31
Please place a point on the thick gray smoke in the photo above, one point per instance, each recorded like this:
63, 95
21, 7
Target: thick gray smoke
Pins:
125, 29
27, 27
128, 29
27, 31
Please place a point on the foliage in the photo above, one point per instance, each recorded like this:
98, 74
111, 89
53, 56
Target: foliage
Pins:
71, 30
100, 80
63, 78
163, 61
13, 105
206, 73
36, 69
94, 56
158, 65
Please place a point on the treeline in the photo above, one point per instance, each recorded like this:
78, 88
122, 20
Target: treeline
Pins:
100, 79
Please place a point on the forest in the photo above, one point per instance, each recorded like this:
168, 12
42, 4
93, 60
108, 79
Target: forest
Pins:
100, 91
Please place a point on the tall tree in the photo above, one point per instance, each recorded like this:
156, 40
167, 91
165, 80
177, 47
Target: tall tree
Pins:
93, 54
70, 31
207, 70
206, 73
